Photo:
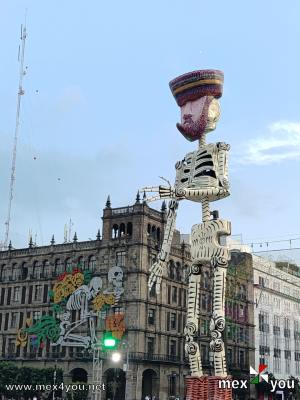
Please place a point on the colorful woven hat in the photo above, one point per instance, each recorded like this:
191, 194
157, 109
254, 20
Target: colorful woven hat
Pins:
196, 84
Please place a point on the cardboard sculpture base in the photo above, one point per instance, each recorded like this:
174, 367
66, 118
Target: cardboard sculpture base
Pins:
206, 388
196, 388
216, 393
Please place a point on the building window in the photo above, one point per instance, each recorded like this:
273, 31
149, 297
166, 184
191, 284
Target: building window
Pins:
173, 321
15, 272
59, 267
206, 280
174, 294
150, 345
4, 273
169, 294
242, 311
276, 364
204, 327
277, 353
13, 321
153, 291
241, 335
68, 264
173, 348
120, 258
47, 269
204, 353
81, 263
92, 263
171, 269
16, 293
151, 316
38, 293
242, 358
261, 281
204, 302
36, 315
229, 356
37, 270
11, 346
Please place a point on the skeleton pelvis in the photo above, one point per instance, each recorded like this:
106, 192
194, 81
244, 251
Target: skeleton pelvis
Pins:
205, 243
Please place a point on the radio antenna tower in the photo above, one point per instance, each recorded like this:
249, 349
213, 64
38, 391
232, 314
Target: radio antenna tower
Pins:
21, 92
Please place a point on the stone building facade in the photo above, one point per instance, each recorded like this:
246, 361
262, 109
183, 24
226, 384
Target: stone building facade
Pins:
131, 238
277, 317
153, 344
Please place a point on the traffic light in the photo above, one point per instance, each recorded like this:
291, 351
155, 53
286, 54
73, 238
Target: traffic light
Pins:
109, 342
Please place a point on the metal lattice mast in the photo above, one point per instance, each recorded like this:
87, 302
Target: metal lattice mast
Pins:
22, 72
97, 374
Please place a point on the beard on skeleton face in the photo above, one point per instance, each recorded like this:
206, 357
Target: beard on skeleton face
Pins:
193, 130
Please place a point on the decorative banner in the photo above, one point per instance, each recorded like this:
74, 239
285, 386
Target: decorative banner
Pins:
77, 290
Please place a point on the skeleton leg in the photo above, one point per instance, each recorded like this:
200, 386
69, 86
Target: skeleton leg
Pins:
206, 248
217, 324
192, 323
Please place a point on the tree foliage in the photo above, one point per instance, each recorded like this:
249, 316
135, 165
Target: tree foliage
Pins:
11, 374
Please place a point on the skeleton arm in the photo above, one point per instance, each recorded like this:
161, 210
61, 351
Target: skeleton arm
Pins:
223, 149
156, 271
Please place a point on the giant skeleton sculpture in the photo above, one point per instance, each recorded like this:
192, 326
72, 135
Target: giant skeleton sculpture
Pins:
201, 176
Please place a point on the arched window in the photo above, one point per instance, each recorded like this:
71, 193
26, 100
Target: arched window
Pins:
68, 264
81, 263
122, 230
129, 229
59, 267
24, 270
37, 270
158, 234
115, 231
148, 230
243, 292
47, 269
153, 232
92, 263
178, 271
171, 273
15, 272
4, 273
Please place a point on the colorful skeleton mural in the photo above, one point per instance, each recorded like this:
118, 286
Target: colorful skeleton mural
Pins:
201, 176
77, 291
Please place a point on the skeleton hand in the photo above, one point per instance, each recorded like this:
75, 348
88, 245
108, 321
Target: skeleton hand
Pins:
155, 277
164, 192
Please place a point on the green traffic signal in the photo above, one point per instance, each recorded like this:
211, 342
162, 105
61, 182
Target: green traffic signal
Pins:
109, 342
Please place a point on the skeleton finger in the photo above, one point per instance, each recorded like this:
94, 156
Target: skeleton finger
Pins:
152, 198
150, 189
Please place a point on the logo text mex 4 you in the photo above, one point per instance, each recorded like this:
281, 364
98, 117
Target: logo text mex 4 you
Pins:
258, 376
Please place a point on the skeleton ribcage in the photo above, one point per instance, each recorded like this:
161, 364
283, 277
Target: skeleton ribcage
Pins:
78, 298
198, 169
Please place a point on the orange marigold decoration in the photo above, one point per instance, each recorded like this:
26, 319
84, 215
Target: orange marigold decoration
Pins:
115, 324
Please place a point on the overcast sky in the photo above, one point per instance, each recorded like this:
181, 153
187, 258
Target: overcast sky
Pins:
98, 118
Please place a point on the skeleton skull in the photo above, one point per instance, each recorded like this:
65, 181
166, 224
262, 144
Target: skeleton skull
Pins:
95, 286
115, 276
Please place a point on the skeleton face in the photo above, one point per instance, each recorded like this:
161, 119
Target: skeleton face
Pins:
198, 117
115, 276
95, 285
